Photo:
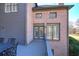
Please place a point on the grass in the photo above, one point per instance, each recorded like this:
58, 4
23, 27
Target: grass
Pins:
76, 36
73, 46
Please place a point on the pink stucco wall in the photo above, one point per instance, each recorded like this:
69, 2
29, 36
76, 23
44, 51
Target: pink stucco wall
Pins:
60, 47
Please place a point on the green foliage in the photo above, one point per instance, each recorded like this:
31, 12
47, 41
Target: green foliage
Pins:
73, 47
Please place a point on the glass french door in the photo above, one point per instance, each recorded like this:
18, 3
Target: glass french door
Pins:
53, 31
38, 32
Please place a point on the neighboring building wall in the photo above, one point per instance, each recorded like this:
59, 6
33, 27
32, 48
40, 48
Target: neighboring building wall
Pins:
29, 31
60, 47
12, 25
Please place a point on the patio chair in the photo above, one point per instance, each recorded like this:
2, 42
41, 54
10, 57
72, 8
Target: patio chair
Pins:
1, 40
12, 41
11, 51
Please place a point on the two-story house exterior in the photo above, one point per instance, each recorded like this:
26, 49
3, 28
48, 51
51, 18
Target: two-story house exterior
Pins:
26, 22
51, 22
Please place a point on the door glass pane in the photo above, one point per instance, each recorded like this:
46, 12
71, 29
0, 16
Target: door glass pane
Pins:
41, 32
36, 32
49, 32
56, 32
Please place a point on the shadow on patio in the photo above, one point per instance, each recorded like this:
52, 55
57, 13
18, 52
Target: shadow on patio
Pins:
35, 48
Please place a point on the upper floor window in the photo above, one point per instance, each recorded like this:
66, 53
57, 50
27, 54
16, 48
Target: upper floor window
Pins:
10, 7
38, 15
52, 15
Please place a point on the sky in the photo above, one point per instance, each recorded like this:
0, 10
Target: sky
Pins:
73, 12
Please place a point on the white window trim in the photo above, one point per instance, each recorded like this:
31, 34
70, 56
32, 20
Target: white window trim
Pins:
7, 7
10, 7
14, 7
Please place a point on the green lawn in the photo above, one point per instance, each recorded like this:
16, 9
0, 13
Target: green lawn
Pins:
76, 36
73, 46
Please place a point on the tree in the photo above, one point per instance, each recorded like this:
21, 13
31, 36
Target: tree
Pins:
77, 22
70, 27
77, 26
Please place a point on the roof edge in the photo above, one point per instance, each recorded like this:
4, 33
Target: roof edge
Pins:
52, 7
